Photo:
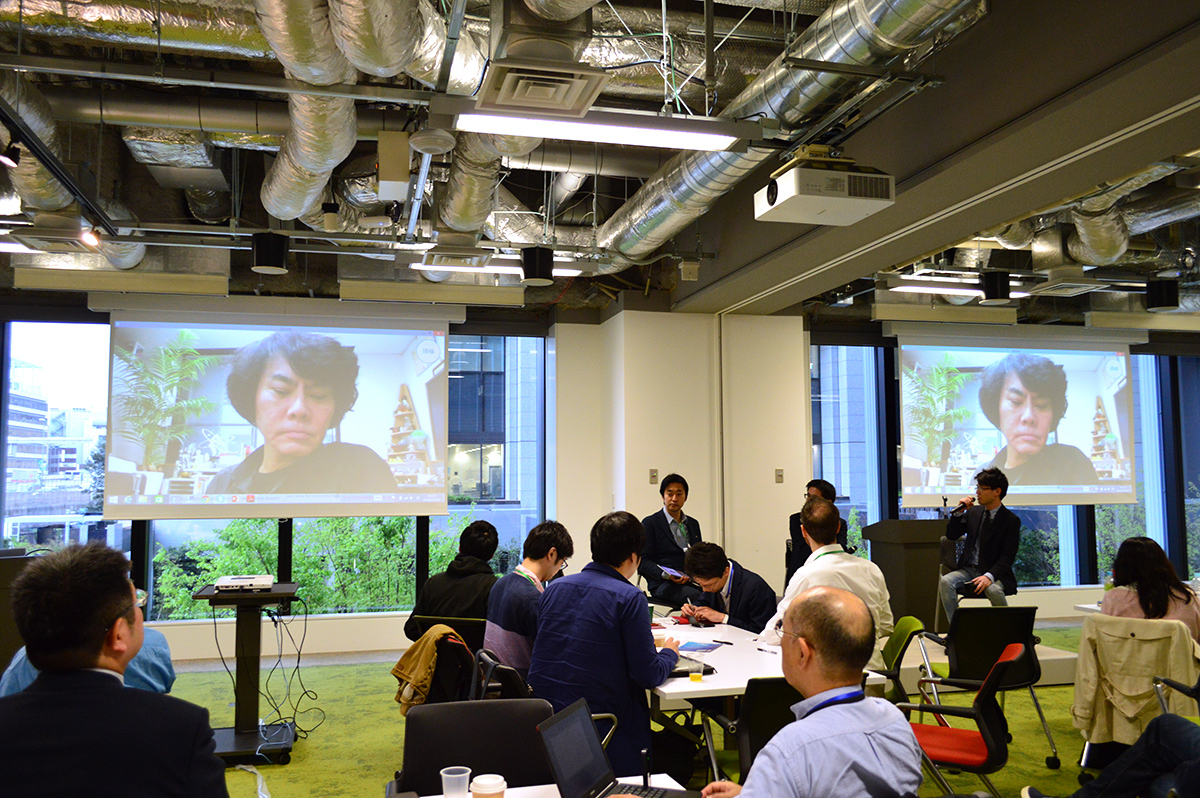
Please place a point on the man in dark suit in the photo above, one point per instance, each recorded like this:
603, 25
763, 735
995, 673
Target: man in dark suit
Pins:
669, 533
732, 594
800, 550
993, 535
77, 729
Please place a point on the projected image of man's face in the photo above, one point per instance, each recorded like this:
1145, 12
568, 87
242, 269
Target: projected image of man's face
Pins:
1025, 419
292, 414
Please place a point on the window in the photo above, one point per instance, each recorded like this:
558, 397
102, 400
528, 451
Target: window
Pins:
55, 420
845, 450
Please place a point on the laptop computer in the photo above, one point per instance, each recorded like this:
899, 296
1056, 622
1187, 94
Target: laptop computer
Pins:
581, 768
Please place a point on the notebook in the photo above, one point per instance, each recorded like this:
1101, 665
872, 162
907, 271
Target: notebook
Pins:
580, 766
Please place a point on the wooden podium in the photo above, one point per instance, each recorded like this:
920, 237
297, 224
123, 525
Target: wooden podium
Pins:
246, 743
908, 553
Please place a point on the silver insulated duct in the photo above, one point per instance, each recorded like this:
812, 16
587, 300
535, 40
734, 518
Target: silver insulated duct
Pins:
39, 190
324, 129
1100, 237
474, 176
185, 152
862, 32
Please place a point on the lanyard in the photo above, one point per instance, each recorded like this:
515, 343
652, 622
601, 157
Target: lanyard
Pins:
845, 698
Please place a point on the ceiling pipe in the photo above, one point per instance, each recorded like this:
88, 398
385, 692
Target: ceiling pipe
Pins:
861, 32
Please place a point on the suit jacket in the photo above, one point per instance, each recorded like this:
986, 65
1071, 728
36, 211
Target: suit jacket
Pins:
997, 551
82, 732
661, 548
751, 600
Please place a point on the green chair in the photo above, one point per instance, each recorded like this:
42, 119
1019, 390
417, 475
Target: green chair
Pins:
905, 630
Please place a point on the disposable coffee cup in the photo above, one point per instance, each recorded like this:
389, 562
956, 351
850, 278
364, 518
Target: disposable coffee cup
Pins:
488, 785
455, 781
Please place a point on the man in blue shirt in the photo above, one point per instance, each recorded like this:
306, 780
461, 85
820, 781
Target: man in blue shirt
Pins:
841, 742
150, 670
512, 610
594, 640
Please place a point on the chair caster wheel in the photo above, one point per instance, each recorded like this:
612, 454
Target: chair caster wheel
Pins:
1053, 763
1084, 778
285, 758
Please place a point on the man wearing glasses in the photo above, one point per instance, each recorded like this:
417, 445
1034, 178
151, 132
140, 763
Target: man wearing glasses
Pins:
841, 743
732, 594
512, 609
76, 729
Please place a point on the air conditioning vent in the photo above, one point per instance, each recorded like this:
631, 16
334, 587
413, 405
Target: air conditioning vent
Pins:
1065, 282
557, 87
475, 257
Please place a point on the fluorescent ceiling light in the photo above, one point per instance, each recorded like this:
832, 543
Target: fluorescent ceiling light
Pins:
468, 350
13, 246
636, 128
947, 287
489, 269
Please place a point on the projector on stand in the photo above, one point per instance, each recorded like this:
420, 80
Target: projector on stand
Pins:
244, 584
817, 189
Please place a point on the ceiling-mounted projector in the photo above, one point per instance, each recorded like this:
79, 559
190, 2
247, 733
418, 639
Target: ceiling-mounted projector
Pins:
815, 192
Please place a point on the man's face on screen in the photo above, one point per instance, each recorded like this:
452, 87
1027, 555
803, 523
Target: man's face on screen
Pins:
292, 414
1025, 419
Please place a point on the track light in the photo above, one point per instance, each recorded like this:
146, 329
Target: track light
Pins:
537, 266
329, 216
88, 236
270, 253
1162, 295
11, 156
995, 287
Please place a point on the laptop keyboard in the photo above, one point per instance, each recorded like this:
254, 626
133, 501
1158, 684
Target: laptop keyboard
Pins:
640, 791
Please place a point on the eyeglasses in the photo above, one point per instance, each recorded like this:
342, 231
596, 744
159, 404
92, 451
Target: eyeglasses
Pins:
781, 631
562, 566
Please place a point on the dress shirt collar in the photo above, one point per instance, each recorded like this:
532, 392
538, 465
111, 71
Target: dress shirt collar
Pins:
832, 548
531, 576
802, 708
120, 678
728, 586
682, 518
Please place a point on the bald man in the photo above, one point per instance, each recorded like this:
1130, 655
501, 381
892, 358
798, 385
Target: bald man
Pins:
841, 743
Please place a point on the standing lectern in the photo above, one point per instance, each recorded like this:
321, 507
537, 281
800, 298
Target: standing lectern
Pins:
908, 553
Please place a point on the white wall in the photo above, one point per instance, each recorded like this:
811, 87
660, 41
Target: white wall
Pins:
767, 418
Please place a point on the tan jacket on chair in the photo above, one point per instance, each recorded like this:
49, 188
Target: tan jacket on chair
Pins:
1118, 660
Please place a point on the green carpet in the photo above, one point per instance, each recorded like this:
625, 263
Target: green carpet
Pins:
358, 747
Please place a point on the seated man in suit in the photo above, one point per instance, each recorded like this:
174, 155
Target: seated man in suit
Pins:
993, 535
669, 533
150, 670
512, 611
732, 594
830, 566
800, 549
461, 591
75, 728
594, 641
841, 743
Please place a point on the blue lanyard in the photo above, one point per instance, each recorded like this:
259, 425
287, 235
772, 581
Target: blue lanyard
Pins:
844, 698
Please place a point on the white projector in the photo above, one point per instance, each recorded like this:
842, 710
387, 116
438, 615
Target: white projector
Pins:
244, 584
836, 194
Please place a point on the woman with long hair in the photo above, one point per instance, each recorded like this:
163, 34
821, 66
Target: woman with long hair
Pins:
1145, 586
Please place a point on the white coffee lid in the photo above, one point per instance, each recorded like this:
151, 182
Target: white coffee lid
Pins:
488, 782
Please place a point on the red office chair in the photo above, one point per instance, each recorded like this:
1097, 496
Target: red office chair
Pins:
980, 751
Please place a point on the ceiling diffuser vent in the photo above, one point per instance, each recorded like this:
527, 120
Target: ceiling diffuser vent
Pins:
1067, 281
474, 257
562, 88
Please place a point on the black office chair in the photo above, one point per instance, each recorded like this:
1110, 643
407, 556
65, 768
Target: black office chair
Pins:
976, 640
765, 708
496, 680
486, 736
469, 629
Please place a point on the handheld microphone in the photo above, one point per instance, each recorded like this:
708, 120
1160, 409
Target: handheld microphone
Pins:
962, 507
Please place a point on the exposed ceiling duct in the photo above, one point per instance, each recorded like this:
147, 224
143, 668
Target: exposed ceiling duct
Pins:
1100, 237
39, 190
862, 32
474, 176
190, 162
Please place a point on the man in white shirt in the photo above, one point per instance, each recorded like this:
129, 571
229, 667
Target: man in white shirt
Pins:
830, 566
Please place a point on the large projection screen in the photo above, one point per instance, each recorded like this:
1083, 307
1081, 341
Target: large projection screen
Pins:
1057, 422
270, 420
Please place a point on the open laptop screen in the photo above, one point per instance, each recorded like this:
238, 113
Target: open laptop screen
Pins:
580, 765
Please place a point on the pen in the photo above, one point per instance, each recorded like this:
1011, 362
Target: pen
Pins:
768, 650
723, 642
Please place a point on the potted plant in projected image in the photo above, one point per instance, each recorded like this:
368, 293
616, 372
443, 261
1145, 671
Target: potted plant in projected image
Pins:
930, 414
152, 398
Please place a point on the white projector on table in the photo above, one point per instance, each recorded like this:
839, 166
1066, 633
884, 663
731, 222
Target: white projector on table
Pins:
815, 193
244, 584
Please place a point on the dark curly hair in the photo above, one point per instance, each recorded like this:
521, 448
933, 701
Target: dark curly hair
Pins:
318, 358
1039, 374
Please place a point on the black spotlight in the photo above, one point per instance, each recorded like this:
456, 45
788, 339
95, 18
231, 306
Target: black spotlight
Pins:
11, 156
537, 266
995, 288
1162, 295
270, 253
